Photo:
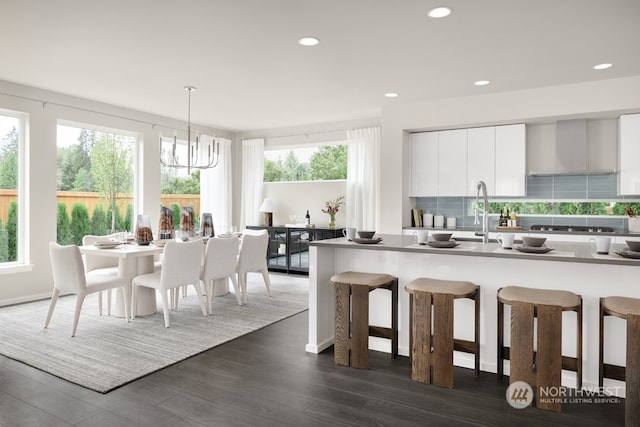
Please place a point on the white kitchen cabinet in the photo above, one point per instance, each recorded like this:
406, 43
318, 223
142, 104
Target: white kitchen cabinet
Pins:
510, 160
481, 159
452, 163
629, 154
424, 164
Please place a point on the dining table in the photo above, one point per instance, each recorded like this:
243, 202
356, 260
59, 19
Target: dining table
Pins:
133, 260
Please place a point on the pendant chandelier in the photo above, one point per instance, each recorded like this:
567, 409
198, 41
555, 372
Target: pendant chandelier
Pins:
194, 150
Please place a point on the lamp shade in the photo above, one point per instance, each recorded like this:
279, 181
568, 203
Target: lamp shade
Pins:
268, 205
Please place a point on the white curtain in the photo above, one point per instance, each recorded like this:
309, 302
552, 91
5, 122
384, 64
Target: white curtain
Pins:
216, 186
363, 172
252, 176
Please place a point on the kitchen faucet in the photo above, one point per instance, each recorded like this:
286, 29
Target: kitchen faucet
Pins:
485, 214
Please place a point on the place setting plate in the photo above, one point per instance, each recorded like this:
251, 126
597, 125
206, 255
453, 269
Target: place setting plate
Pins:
533, 249
106, 245
367, 241
441, 244
627, 253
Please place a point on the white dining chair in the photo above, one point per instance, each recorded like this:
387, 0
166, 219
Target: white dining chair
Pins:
69, 277
220, 259
100, 265
253, 258
180, 267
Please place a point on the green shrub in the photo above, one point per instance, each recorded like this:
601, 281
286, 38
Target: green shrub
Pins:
4, 244
12, 231
63, 235
99, 221
175, 208
80, 223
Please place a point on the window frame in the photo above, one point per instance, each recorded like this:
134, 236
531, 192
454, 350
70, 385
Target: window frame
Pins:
23, 258
135, 162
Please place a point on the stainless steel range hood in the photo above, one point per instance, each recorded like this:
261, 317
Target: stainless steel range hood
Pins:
571, 150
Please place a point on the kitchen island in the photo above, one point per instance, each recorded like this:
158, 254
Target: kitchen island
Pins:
570, 266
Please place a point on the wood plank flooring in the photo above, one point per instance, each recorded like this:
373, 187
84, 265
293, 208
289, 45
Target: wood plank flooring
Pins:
266, 379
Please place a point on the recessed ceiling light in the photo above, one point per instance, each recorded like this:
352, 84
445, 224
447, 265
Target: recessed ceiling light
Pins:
440, 12
481, 82
602, 66
308, 41
391, 95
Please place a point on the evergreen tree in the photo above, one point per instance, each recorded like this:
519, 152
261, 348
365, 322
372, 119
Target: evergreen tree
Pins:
4, 244
12, 231
127, 221
63, 232
99, 221
175, 208
80, 224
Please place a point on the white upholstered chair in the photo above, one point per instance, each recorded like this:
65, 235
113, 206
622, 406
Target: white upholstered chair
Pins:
100, 265
220, 259
253, 258
69, 277
180, 267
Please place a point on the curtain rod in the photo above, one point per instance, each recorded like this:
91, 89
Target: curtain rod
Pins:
44, 103
306, 134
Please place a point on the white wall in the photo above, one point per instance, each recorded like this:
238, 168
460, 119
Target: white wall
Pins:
583, 100
296, 197
43, 119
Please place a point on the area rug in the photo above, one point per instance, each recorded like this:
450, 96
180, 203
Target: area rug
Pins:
107, 352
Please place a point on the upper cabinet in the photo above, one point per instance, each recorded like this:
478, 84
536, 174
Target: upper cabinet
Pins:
511, 160
481, 162
424, 164
629, 154
450, 163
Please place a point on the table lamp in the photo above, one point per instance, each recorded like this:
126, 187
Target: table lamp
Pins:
268, 207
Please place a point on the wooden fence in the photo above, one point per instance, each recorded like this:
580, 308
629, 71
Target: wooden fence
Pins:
91, 200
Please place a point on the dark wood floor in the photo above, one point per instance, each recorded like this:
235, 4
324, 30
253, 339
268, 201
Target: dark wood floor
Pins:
267, 379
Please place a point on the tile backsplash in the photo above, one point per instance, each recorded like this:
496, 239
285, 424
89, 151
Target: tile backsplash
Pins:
541, 188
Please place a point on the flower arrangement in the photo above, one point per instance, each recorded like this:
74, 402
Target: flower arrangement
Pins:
332, 207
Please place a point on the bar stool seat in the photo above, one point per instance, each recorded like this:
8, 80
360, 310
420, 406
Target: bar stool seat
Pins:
432, 347
629, 310
541, 368
352, 329
567, 300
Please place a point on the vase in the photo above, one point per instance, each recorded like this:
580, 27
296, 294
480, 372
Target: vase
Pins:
332, 221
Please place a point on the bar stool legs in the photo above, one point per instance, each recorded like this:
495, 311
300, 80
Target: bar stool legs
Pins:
628, 309
432, 354
543, 367
352, 329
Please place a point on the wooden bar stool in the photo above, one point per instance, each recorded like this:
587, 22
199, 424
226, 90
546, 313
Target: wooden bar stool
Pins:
432, 347
352, 316
541, 368
628, 309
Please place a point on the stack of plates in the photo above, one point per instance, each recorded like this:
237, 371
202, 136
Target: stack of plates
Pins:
627, 253
160, 243
443, 243
533, 249
105, 244
368, 241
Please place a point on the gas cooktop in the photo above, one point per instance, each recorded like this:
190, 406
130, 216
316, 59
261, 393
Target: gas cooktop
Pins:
571, 228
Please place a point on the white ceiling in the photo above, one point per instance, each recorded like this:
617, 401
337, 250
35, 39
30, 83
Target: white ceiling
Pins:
243, 55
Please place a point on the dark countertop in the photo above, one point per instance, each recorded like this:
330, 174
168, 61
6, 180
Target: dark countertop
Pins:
563, 251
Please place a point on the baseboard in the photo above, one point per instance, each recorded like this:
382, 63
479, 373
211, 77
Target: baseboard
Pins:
21, 300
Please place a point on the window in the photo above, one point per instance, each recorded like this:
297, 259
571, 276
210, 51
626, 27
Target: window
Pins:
95, 182
12, 193
178, 189
317, 163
